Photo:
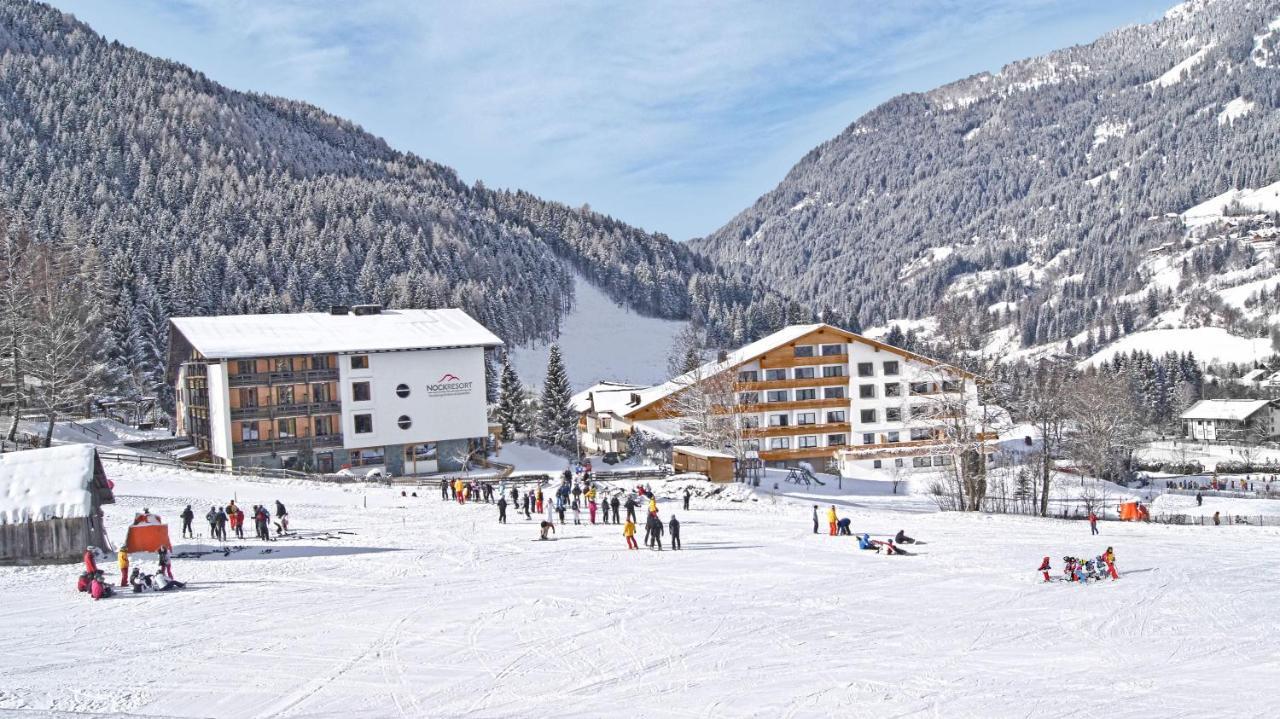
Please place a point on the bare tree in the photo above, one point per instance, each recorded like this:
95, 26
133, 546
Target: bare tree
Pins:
15, 318
948, 409
1043, 404
60, 362
1104, 427
703, 400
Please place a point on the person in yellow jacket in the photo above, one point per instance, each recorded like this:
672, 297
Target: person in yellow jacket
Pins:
832, 519
653, 505
629, 531
122, 557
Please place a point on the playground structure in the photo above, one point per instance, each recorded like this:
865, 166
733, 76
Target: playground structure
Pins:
803, 475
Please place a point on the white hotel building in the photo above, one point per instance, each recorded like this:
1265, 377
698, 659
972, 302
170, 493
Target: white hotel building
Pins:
355, 387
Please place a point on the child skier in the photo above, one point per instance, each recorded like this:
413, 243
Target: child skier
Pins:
122, 558
832, 520
629, 531
547, 527
1044, 569
1110, 558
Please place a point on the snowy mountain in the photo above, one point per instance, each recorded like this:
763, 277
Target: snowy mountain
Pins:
1037, 199
188, 198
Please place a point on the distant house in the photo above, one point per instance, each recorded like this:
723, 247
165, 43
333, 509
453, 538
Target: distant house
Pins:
51, 504
1232, 420
601, 411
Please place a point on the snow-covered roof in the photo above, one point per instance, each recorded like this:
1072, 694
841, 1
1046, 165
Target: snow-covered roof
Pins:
232, 336
1226, 409
1253, 375
701, 452
39, 484
608, 397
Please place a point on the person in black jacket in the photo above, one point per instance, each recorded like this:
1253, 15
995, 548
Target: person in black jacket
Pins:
631, 508
614, 504
686, 499
502, 510
187, 515
675, 532
212, 517
656, 531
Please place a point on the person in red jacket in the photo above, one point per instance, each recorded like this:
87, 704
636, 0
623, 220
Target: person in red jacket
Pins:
1093, 522
1044, 569
90, 564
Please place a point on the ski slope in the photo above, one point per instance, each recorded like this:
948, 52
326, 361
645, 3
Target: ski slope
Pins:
397, 606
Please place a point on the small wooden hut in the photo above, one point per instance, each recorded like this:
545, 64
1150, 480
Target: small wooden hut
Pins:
51, 504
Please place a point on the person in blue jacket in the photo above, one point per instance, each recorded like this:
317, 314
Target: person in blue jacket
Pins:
864, 542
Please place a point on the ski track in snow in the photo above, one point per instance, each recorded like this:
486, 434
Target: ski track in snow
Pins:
433, 609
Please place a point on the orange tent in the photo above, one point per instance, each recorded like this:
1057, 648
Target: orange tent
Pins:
1133, 512
148, 534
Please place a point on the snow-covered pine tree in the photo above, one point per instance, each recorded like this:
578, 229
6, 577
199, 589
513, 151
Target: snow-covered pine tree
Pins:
490, 379
557, 422
511, 402
15, 319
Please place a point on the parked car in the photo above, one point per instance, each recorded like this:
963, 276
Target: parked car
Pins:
611, 458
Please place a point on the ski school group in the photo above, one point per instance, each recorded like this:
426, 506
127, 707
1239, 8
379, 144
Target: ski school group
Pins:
1080, 570
577, 490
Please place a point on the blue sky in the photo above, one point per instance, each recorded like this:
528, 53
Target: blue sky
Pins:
673, 116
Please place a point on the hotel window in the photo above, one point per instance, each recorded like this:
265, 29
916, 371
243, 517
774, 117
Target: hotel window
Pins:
833, 392
402, 390
284, 364
773, 375
808, 441
749, 421
776, 395
286, 427
893, 438
802, 373
320, 362
891, 368
749, 398
364, 423
867, 391
866, 369
804, 350
942, 460
284, 394
832, 350
360, 392
749, 375
359, 361
366, 457
836, 415
835, 440
833, 370
248, 397
322, 426
893, 389
919, 410
248, 431
921, 433
868, 438
897, 462
919, 388
920, 462
779, 443
867, 416
779, 420
893, 414
404, 422
950, 386
320, 392
806, 417
752, 444
804, 394
244, 366
877, 464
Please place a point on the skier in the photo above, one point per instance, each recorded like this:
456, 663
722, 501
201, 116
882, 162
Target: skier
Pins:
560, 508
444, 491
686, 499
551, 513
614, 504
166, 567
577, 512
653, 504
502, 510
1093, 522
547, 526
657, 531
187, 515
221, 519
98, 587
122, 558
832, 519
212, 516
815, 519
842, 528
675, 532
864, 542
902, 538
1217, 520
1044, 569
1199, 499
1109, 557
283, 515
591, 505
237, 522
631, 509
539, 500
629, 531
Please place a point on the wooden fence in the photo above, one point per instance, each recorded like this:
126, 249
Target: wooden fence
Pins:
47, 541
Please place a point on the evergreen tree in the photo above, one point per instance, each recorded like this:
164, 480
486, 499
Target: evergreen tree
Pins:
512, 414
557, 421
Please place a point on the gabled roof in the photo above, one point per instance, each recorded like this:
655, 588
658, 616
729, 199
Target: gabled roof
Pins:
1254, 375
40, 484
605, 397
239, 336
762, 346
1236, 410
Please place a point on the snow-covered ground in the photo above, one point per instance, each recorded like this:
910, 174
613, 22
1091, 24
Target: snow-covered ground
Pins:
403, 606
602, 340
1209, 344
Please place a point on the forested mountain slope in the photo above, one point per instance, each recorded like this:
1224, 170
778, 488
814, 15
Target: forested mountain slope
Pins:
1031, 197
190, 198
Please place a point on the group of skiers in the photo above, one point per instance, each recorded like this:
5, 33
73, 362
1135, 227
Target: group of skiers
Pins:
220, 517
841, 527
93, 579
1077, 569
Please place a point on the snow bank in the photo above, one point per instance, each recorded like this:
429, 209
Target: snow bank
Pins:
1210, 344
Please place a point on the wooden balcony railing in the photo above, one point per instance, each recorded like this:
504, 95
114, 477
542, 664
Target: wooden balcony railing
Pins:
299, 377
296, 409
783, 361
285, 444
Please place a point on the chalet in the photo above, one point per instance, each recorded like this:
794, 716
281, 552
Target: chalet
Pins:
51, 504
1232, 420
